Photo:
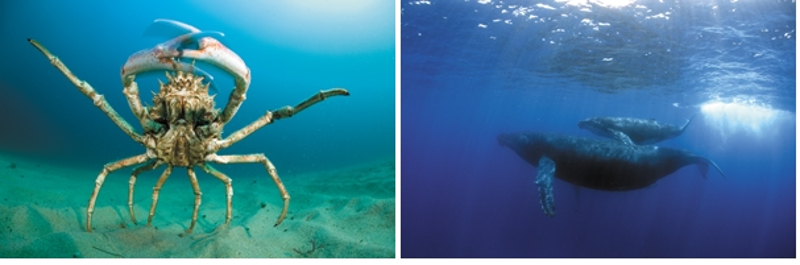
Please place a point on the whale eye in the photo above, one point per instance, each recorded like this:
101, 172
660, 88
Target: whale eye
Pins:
524, 139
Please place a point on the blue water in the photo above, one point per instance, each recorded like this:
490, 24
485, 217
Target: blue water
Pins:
474, 69
294, 49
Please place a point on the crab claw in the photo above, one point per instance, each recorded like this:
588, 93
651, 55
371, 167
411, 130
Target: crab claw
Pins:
162, 57
167, 56
168, 29
147, 61
209, 50
212, 51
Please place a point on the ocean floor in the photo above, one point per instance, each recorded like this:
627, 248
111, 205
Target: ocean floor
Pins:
347, 212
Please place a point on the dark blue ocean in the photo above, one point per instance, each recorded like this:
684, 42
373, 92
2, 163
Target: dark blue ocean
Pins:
293, 49
473, 69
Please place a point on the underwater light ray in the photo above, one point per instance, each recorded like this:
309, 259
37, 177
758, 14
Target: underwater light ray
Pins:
741, 116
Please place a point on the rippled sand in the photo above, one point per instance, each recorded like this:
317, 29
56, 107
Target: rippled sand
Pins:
348, 212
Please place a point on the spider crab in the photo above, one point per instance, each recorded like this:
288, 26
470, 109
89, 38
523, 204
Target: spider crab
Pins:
182, 128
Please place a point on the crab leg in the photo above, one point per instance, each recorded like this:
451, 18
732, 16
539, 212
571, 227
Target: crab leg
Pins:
87, 90
146, 167
228, 189
131, 92
256, 158
98, 183
287, 111
156, 189
281, 113
197, 195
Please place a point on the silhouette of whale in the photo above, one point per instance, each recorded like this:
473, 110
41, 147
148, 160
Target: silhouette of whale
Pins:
595, 163
632, 130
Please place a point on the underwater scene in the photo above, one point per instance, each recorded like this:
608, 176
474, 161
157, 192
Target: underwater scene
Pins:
598, 128
197, 129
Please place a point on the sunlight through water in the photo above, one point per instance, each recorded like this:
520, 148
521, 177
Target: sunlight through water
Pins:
305, 25
742, 115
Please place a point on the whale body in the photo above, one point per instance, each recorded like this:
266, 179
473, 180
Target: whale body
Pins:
596, 163
632, 130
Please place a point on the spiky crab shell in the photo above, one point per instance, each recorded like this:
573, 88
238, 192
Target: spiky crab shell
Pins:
184, 96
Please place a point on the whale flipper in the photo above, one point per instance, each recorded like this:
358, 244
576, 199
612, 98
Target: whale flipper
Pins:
544, 179
622, 137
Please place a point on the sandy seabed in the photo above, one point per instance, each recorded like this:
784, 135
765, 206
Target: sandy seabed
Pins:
347, 212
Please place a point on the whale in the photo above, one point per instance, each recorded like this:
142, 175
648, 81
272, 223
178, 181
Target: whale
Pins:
632, 131
598, 164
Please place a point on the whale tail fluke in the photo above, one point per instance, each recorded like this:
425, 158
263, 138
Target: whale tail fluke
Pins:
702, 165
703, 168
687, 123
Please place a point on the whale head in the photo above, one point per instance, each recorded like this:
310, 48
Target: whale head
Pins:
529, 146
513, 140
586, 124
596, 126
